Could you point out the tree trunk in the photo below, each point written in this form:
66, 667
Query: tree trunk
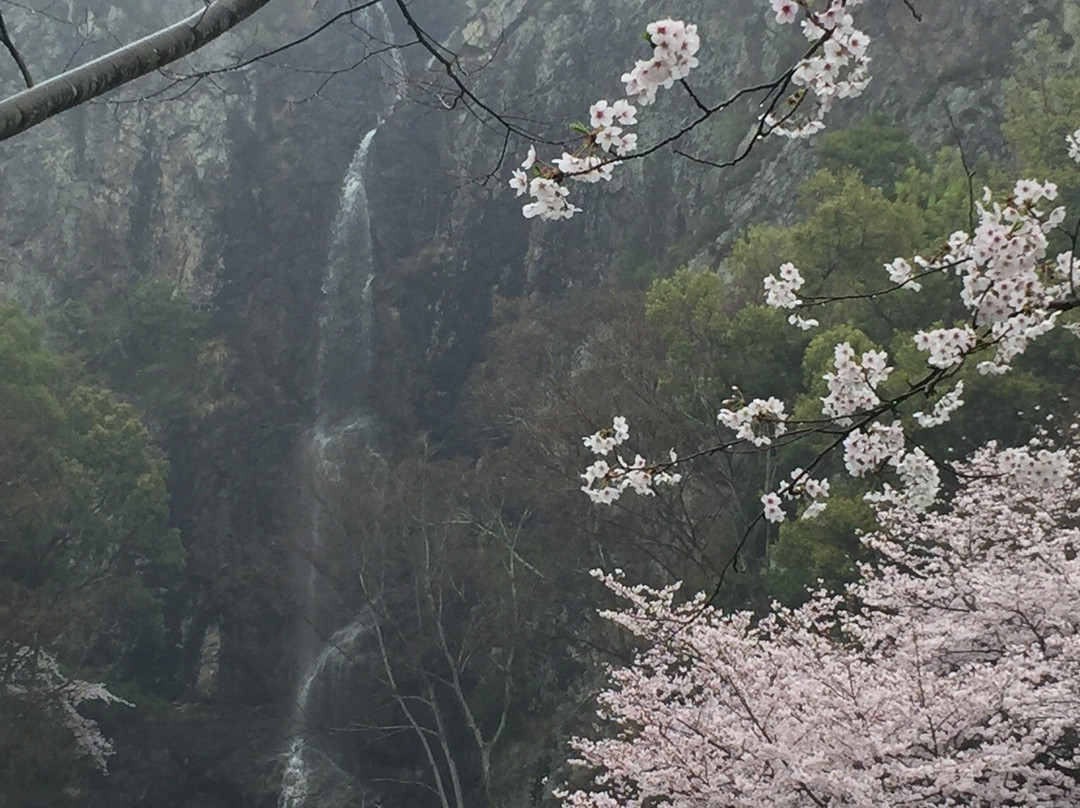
53, 96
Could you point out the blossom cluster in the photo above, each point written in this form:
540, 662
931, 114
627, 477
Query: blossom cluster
837, 66
946, 347
955, 664
853, 383
605, 482
882, 446
603, 117
1073, 142
920, 481
674, 56
943, 408
548, 194
1035, 469
1000, 270
801, 486
605, 440
866, 450
780, 292
751, 421
901, 273
675, 45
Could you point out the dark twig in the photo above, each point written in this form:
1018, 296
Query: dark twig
968, 171
438, 52
6, 39
914, 12
281, 48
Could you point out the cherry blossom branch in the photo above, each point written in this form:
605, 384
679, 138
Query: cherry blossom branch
833, 66
810, 301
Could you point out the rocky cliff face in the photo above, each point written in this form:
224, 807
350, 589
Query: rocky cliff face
230, 189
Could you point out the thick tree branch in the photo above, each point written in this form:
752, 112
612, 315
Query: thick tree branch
53, 96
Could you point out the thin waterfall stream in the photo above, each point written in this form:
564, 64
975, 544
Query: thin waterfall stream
343, 425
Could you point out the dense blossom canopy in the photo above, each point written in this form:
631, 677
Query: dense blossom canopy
949, 676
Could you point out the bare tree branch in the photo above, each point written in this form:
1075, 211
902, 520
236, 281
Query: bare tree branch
282, 48
55, 95
438, 52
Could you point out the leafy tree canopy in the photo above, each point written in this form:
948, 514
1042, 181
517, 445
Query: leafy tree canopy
85, 536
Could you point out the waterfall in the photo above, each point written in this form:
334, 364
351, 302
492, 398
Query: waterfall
343, 424
335, 656
394, 72
346, 352
343, 427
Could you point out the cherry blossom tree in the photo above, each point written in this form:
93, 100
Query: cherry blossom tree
34, 678
950, 675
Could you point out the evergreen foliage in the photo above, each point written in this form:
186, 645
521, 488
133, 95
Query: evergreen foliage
85, 538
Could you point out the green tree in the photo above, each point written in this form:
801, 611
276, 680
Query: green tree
846, 233
85, 539
1042, 106
149, 343
825, 549
881, 152
943, 193
708, 336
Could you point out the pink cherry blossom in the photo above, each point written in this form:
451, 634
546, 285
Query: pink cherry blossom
950, 675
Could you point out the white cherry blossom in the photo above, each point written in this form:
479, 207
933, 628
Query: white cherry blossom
1073, 142
780, 291
853, 383
943, 408
605, 482
900, 273
786, 10
759, 422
